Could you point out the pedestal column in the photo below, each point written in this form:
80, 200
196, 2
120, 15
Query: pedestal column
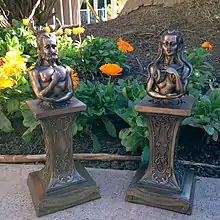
61, 183
164, 183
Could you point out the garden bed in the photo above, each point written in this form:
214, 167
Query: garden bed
192, 147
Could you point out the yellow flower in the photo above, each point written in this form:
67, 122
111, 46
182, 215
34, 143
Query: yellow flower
124, 46
78, 30
25, 22
6, 82
47, 30
75, 78
111, 69
68, 31
14, 64
59, 32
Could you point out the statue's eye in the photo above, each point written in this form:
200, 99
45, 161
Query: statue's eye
54, 46
47, 47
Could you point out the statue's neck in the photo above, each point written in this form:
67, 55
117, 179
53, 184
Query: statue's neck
169, 60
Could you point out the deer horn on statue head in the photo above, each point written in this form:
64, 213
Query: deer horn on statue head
33, 28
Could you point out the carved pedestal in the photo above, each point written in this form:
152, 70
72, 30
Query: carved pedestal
61, 183
163, 183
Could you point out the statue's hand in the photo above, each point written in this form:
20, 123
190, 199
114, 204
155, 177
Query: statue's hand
170, 70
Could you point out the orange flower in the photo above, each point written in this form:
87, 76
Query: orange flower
75, 78
124, 46
111, 69
8, 25
207, 45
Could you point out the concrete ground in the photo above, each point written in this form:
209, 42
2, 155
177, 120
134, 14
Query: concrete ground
16, 204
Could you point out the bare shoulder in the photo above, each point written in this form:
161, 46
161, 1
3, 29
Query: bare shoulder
68, 69
34, 72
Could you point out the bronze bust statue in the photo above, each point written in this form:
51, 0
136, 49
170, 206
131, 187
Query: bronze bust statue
168, 74
50, 80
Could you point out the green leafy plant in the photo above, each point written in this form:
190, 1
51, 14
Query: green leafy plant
136, 137
11, 102
206, 114
101, 101
18, 38
202, 71
88, 56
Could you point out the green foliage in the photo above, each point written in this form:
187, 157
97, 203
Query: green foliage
87, 57
136, 137
18, 38
101, 101
11, 100
206, 114
202, 71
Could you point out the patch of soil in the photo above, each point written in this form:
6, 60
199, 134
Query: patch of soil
195, 146
199, 21
192, 147
13, 144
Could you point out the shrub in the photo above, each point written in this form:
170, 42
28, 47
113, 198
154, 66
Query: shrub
206, 114
87, 57
202, 71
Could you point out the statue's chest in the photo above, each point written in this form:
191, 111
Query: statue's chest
47, 74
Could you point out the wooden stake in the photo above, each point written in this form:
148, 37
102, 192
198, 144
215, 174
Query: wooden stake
42, 158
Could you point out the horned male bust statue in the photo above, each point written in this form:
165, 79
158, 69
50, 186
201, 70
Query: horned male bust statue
50, 80
168, 74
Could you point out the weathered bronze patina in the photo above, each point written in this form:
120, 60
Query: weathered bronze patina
168, 74
61, 183
164, 183
50, 80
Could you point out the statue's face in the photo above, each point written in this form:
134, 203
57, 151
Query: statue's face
49, 51
169, 44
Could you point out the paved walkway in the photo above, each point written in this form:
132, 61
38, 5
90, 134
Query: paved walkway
16, 204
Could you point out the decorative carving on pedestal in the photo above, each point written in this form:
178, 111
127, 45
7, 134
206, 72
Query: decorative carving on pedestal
163, 130
160, 184
61, 183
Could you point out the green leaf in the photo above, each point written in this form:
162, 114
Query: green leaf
140, 121
209, 129
75, 128
217, 126
191, 121
95, 143
109, 126
5, 124
29, 119
27, 134
215, 136
145, 155
12, 105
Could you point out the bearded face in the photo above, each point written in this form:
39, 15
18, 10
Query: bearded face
48, 47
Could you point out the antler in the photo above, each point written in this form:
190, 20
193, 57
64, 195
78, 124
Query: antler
32, 26
59, 24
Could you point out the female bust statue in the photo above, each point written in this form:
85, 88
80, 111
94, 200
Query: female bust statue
168, 74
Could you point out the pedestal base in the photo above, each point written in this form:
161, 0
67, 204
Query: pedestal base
68, 196
181, 202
